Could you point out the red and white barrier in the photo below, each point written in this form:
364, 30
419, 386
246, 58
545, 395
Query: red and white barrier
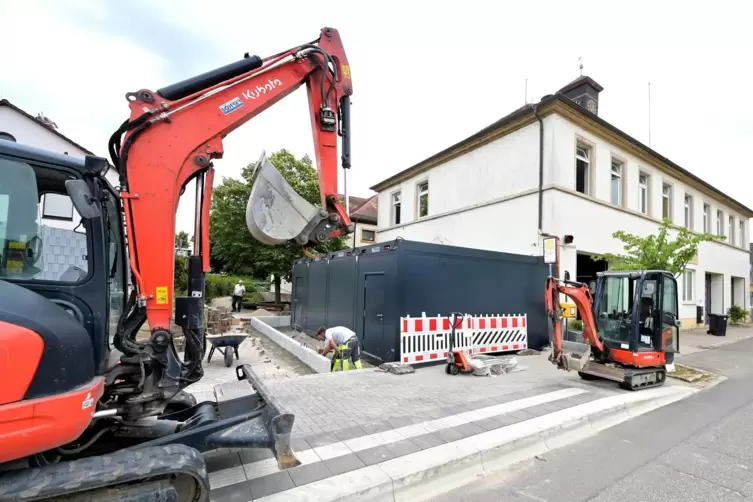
425, 339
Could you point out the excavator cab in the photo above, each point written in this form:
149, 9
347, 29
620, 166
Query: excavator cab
637, 312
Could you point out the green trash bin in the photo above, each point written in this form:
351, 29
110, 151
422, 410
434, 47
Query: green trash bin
717, 324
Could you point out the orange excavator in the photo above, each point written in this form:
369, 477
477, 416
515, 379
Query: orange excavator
630, 323
88, 410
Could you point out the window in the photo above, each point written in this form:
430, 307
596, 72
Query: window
617, 170
57, 207
116, 256
615, 307
367, 235
396, 205
688, 211
666, 201
688, 286
719, 228
33, 250
643, 180
7, 136
741, 234
731, 230
423, 199
582, 168
706, 216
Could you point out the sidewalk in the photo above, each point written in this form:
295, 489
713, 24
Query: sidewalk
378, 436
696, 340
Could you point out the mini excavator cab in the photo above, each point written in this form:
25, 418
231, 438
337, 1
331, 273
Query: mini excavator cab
638, 312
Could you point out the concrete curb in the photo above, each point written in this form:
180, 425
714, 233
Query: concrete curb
426, 474
315, 361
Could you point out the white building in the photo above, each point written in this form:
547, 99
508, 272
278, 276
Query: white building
63, 241
555, 167
363, 214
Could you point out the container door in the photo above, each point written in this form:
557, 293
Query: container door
372, 339
300, 290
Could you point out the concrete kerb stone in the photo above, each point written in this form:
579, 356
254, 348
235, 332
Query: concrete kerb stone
425, 474
316, 362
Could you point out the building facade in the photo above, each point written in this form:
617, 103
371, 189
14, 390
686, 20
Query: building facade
363, 214
557, 168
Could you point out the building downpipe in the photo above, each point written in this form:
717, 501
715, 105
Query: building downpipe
541, 164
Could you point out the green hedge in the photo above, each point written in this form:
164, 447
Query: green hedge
216, 285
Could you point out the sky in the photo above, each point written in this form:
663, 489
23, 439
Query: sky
425, 74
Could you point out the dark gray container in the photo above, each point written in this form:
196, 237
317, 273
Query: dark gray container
368, 289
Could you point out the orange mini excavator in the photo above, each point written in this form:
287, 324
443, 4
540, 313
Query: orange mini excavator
630, 324
88, 411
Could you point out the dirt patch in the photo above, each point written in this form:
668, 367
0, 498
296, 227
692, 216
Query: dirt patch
267, 352
690, 375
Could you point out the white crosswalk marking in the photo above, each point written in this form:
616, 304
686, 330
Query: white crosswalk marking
269, 466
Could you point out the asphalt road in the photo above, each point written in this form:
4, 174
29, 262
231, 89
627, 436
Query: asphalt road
698, 449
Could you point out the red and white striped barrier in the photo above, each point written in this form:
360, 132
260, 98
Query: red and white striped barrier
425, 339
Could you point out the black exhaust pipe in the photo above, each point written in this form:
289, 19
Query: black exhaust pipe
206, 80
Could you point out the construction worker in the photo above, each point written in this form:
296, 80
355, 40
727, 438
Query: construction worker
238, 291
344, 343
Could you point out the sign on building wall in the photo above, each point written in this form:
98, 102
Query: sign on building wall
550, 250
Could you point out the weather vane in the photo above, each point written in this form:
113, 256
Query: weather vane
580, 60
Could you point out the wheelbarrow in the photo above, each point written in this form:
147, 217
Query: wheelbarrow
227, 345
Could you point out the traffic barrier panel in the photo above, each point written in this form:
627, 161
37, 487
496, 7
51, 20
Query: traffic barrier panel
425, 339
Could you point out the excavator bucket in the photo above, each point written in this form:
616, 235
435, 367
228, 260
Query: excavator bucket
275, 213
576, 355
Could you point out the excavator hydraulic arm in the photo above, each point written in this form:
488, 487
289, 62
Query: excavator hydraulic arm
174, 133
580, 294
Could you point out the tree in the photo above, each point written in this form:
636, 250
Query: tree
658, 251
233, 245
182, 239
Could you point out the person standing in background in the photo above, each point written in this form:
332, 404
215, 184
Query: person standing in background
238, 291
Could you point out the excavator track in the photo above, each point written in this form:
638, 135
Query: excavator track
627, 378
173, 473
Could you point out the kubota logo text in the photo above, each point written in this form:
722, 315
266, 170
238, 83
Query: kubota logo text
260, 90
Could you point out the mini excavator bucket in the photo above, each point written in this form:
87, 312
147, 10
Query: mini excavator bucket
577, 356
275, 213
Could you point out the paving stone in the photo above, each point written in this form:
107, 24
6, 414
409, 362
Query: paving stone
322, 439
267, 485
376, 427
469, 429
404, 447
304, 474
375, 455
426, 441
403, 421
299, 444
249, 455
343, 464
449, 435
350, 433
488, 424
219, 462
240, 492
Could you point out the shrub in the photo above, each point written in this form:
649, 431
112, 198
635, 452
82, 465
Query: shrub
575, 324
737, 314
215, 286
